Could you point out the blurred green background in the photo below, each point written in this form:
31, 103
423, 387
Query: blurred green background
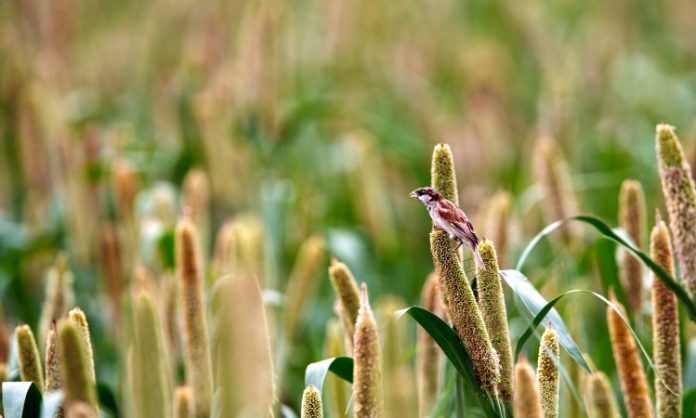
319, 117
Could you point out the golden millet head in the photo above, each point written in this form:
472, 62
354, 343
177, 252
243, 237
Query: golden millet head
548, 377
311, 403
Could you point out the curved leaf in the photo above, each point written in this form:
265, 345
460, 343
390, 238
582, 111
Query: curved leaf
448, 340
315, 373
21, 400
549, 306
51, 403
607, 231
539, 308
689, 403
107, 399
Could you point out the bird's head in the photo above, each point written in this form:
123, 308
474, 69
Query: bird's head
426, 195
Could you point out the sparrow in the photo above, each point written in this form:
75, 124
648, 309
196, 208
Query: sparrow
448, 217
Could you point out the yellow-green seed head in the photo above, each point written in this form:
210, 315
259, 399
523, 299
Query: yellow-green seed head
665, 324
443, 177
368, 398
30, 369
680, 200
3, 372
78, 317
336, 388
59, 295
193, 318
54, 380
311, 403
302, 281
601, 402
492, 305
239, 247
634, 384
78, 383
347, 294
397, 374
428, 355
548, 377
182, 403
496, 223
559, 201
632, 220
150, 384
244, 358
526, 402
464, 310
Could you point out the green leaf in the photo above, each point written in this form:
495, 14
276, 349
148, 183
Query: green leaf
21, 400
107, 399
608, 272
51, 403
540, 309
549, 307
448, 340
607, 231
689, 403
342, 367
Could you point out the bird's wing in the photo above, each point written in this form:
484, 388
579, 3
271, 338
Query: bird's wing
449, 212
452, 214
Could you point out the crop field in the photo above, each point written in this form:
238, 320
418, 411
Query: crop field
347, 208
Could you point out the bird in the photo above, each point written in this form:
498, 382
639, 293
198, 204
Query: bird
450, 218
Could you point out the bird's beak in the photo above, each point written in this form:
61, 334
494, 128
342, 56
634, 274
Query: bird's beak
413, 194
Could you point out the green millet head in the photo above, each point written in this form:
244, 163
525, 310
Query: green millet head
548, 377
492, 305
464, 311
78, 383
368, 389
347, 295
526, 402
601, 402
665, 324
632, 220
669, 150
150, 386
78, 317
302, 281
30, 369
634, 384
311, 403
443, 177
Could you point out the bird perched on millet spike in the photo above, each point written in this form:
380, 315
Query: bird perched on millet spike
448, 217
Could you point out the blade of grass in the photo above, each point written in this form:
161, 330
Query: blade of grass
535, 304
549, 307
607, 232
315, 373
21, 400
